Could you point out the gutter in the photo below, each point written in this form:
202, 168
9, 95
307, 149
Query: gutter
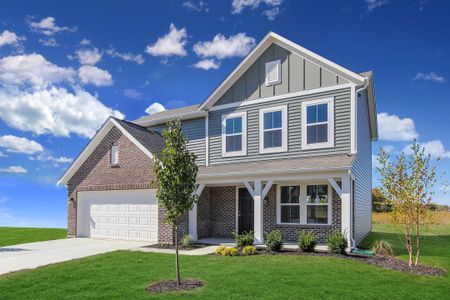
185, 116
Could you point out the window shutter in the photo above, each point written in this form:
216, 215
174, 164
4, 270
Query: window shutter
273, 72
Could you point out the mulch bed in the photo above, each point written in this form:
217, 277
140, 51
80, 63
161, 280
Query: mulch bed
170, 246
171, 286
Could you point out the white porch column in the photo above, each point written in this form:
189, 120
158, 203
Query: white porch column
193, 214
258, 213
346, 210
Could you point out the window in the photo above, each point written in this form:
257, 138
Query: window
318, 124
290, 204
234, 127
317, 204
114, 155
273, 72
273, 129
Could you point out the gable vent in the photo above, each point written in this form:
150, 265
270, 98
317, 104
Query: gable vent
273, 72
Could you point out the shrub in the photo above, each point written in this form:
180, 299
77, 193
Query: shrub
187, 241
220, 250
382, 248
232, 252
337, 243
306, 241
243, 239
273, 240
226, 251
249, 250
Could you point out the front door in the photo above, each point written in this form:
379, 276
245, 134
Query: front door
245, 213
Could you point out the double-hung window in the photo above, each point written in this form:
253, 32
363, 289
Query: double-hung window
318, 124
290, 204
273, 129
234, 134
317, 204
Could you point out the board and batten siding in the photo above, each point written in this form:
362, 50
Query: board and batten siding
297, 74
195, 132
294, 104
362, 169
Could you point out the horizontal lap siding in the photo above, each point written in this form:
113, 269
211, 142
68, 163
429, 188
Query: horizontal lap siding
342, 128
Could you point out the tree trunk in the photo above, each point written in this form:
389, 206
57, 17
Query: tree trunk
409, 247
417, 244
177, 262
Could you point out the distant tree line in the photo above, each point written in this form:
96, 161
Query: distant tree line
380, 203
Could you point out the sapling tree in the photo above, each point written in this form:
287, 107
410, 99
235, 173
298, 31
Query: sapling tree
408, 184
175, 177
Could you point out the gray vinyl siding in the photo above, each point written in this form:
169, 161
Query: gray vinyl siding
297, 74
342, 128
362, 169
195, 132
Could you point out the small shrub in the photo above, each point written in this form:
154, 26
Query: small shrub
337, 243
226, 251
273, 240
187, 241
249, 250
232, 252
382, 248
243, 239
306, 241
220, 250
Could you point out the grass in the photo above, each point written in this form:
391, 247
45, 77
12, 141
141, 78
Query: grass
18, 235
125, 275
438, 218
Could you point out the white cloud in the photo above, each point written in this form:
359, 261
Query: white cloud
50, 42
54, 110
3, 154
207, 64
47, 26
133, 94
155, 108
239, 5
197, 6
272, 13
10, 38
85, 42
429, 77
33, 69
137, 58
16, 144
393, 128
172, 44
56, 160
95, 76
222, 47
88, 56
435, 148
14, 169
373, 4
375, 162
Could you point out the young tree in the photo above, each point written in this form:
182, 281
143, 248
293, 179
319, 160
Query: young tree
408, 185
175, 177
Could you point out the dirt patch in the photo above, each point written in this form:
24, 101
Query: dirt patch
171, 286
170, 246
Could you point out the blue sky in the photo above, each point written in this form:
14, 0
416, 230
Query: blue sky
64, 67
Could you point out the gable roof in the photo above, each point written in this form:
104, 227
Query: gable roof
150, 142
182, 113
273, 38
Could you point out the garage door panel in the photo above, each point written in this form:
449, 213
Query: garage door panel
131, 214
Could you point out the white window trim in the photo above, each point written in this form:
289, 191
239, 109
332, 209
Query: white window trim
329, 204
278, 65
303, 204
243, 151
284, 129
330, 142
114, 155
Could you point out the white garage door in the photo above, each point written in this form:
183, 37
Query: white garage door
120, 214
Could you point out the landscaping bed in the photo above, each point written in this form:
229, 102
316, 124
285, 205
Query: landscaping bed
180, 247
171, 286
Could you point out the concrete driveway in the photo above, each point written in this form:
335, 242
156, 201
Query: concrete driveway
33, 255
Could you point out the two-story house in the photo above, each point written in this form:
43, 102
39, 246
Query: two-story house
284, 142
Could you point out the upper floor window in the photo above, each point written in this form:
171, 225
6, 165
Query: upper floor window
273, 129
114, 154
273, 72
234, 127
318, 124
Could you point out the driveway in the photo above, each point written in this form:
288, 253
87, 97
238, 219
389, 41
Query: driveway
33, 255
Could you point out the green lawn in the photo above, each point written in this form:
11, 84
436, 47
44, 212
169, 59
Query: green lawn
124, 275
17, 235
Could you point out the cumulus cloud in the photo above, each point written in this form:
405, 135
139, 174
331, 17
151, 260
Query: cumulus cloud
56, 160
3, 154
434, 148
85, 42
137, 58
10, 38
47, 26
393, 128
172, 44
16, 144
222, 47
154, 108
207, 64
237, 6
272, 13
50, 42
429, 77
373, 4
14, 169
197, 6
133, 94
95, 76
88, 56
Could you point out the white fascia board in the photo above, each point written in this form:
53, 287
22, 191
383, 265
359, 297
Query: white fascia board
185, 116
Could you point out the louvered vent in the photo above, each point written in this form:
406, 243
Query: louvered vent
273, 72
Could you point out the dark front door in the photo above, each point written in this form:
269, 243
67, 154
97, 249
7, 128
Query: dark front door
245, 213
